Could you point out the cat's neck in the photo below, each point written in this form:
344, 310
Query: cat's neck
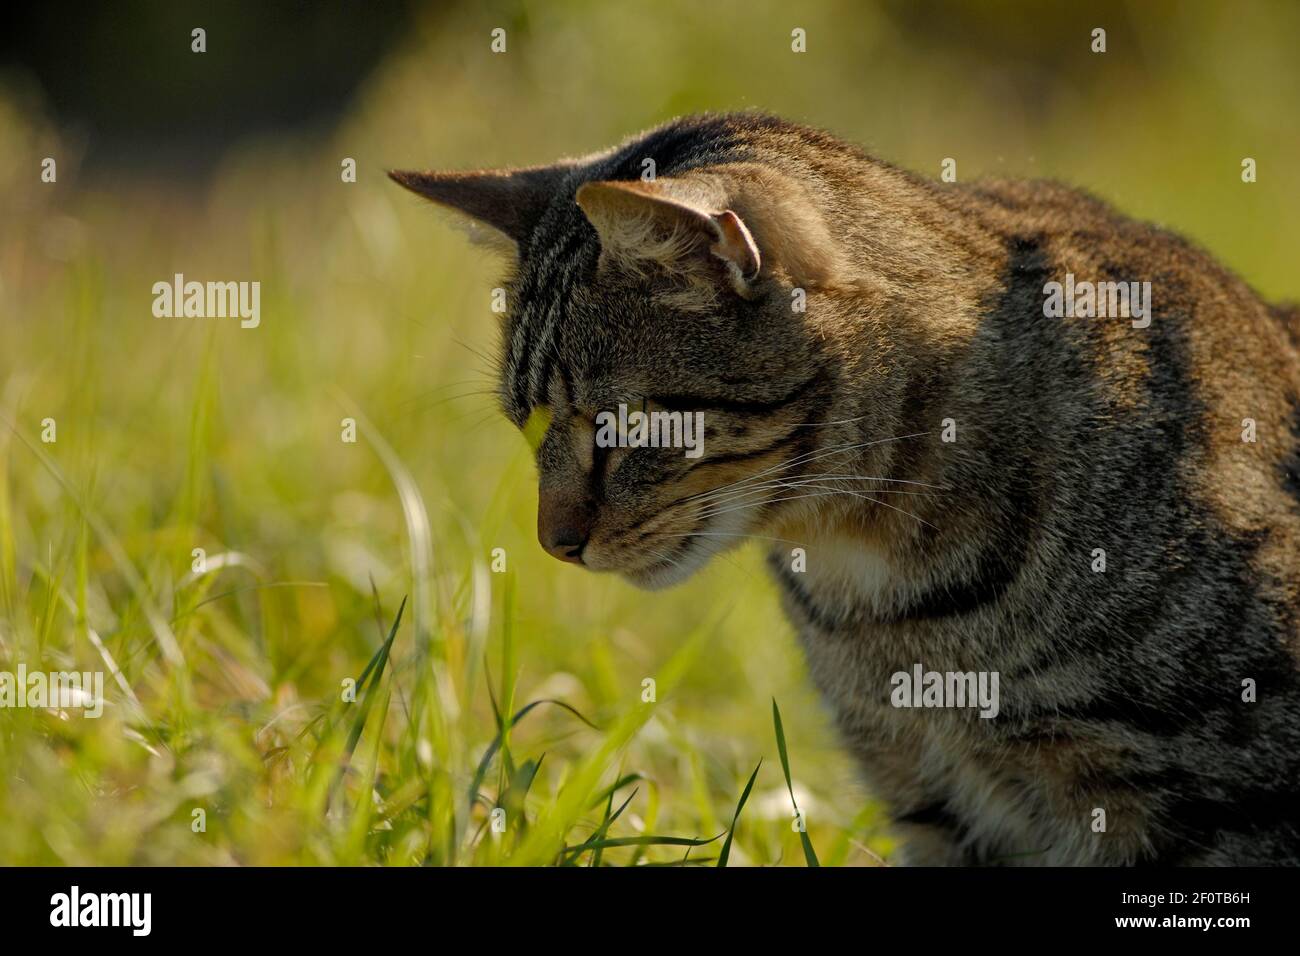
899, 333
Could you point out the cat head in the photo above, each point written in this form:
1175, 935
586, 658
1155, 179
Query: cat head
638, 310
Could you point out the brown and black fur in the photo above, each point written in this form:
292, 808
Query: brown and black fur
1121, 690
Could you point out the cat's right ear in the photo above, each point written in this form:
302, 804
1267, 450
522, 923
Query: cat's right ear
509, 201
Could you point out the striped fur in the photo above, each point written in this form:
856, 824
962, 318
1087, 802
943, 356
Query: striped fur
1121, 691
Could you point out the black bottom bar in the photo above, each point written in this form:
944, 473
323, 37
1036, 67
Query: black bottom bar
328, 906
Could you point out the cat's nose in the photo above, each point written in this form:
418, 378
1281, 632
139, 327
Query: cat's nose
563, 526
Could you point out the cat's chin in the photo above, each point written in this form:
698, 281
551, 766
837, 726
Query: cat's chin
664, 574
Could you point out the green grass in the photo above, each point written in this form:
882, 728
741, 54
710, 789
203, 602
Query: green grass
372, 562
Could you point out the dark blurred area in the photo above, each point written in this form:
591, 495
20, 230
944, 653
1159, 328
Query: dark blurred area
122, 80
123, 77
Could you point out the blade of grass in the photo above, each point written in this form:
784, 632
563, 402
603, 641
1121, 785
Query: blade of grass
731, 831
593, 842
649, 841
609, 818
616, 786
377, 668
808, 853
488, 754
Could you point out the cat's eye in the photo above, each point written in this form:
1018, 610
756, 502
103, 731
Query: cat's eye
611, 437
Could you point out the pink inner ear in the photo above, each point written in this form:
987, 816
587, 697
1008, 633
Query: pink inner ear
735, 244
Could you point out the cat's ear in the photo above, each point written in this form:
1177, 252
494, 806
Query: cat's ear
663, 223
510, 201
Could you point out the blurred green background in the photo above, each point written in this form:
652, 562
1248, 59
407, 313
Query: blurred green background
175, 434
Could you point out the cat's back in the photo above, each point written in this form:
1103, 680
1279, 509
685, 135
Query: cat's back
1208, 360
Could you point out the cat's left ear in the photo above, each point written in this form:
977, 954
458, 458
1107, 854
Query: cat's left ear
640, 222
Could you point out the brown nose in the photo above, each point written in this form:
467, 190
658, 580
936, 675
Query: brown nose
563, 525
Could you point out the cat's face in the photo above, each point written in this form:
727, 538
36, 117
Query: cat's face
638, 320
621, 345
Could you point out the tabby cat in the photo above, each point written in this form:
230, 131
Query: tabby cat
1102, 510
